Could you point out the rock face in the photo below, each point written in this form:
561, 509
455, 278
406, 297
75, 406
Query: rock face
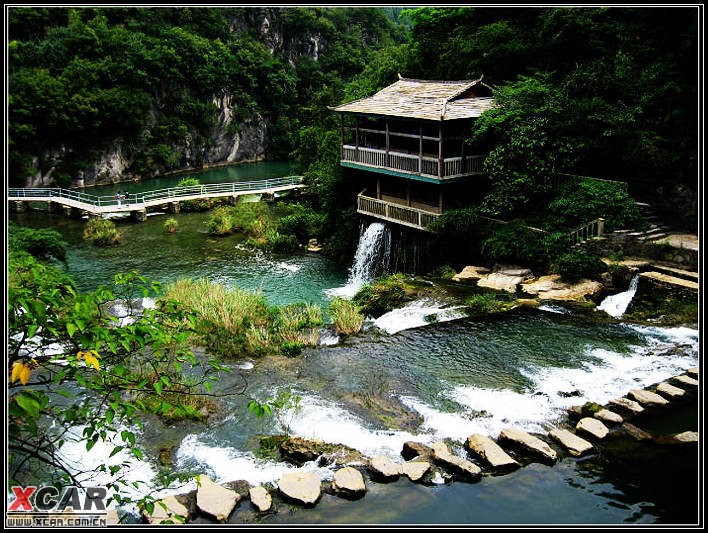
592, 427
261, 498
647, 398
215, 500
167, 509
348, 482
491, 452
442, 455
303, 487
575, 445
529, 443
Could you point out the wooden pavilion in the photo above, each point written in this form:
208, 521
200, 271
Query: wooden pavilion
406, 143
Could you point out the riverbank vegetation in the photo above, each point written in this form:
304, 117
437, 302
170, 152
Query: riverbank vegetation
102, 232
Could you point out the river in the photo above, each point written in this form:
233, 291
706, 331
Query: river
524, 368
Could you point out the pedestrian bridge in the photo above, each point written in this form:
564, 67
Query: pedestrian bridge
138, 203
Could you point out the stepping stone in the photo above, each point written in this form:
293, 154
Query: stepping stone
415, 470
413, 449
169, 513
491, 452
215, 500
607, 416
304, 487
627, 405
442, 455
261, 498
348, 482
685, 380
693, 372
529, 443
647, 398
690, 437
575, 445
592, 427
636, 433
670, 390
383, 467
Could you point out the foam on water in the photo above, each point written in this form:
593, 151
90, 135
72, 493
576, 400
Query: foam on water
418, 313
617, 304
288, 266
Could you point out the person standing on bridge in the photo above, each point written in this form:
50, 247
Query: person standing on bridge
118, 197
127, 195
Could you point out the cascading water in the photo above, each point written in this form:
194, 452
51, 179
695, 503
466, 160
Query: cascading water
372, 255
617, 304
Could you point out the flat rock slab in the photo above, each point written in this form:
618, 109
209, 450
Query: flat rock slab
442, 455
592, 427
415, 470
686, 380
665, 279
383, 466
261, 498
647, 398
575, 445
670, 391
491, 452
552, 287
471, 273
215, 500
607, 416
635, 432
171, 510
627, 405
693, 372
531, 444
412, 449
348, 481
304, 487
500, 282
687, 437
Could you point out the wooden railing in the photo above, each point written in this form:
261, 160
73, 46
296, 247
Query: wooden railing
453, 167
400, 214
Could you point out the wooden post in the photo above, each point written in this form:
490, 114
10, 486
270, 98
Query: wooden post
600, 227
341, 136
408, 193
441, 163
420, 148
356, 140
378, 188
386, 163
440, 200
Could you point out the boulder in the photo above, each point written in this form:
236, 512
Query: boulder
687, 437
215, 500
415, 470
552, 287
500, 282
647, 398
303, 487
592, 427
261, 498
529, 443
442, 455
470, 273
669, 390
167, 510
491, 452
626, 405
513, 270
348, 482
383, 467
415, 449
575, 445
607, 416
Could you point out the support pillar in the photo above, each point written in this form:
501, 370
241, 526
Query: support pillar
173, 207
17, 207
139, 215
234, 199
440, 201
378, 188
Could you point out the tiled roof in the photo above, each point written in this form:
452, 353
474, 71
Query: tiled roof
423, 99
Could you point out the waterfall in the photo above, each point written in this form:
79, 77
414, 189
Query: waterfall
372, 255
616, 304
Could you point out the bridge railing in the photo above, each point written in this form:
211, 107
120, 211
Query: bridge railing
168, 194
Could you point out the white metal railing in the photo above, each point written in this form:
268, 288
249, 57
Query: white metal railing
594, 228
408, 216
428, 166
152, 197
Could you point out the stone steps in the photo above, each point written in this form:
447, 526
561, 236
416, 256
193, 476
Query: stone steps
669, 281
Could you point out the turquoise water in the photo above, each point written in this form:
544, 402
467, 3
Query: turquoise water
524, 368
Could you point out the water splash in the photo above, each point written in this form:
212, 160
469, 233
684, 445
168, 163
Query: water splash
373, 251
617, 304
418, 313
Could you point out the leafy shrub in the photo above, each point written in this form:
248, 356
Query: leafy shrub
170, 225
445, 272
202, 204
486, 302
42, 243
102, 232
382, 296
304, 223
221, 221
578, 264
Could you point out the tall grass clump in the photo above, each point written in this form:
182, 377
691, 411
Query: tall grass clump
102, 232
346, 316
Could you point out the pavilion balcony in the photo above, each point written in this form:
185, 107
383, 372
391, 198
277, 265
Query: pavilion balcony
393, 211
414, 166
